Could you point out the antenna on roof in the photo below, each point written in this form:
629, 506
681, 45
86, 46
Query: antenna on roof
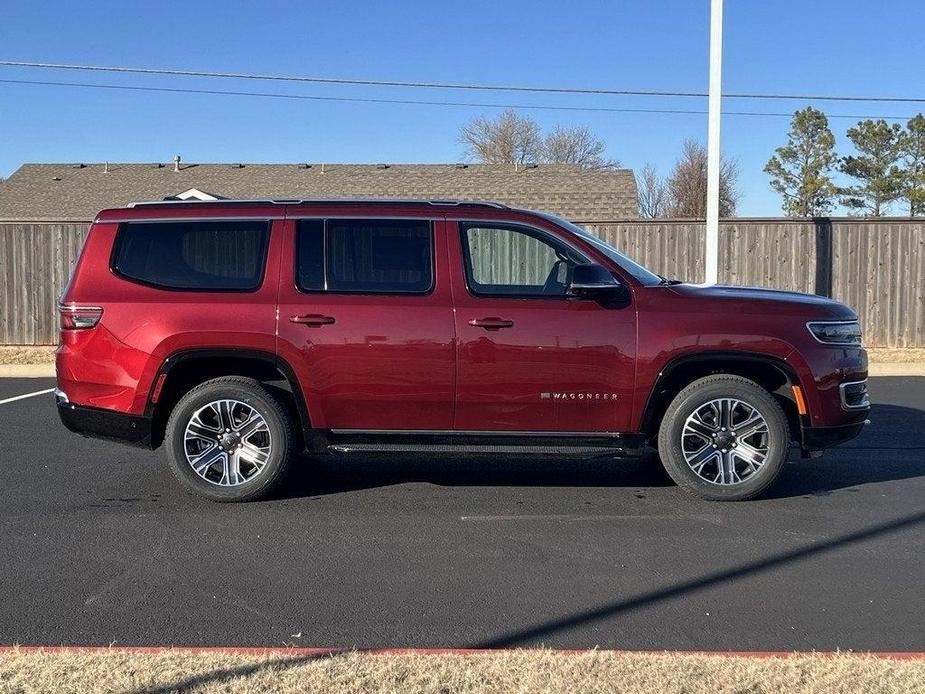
106, 167
176, 163
322, 168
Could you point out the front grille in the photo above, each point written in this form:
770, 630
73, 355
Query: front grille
854, 395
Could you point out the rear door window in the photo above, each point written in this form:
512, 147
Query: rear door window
192, 255
366, 256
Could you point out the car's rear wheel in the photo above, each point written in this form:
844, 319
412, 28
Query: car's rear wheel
724, 438
229, 439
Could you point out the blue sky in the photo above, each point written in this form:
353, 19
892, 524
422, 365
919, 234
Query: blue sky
830, 46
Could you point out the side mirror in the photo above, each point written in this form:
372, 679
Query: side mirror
593, 281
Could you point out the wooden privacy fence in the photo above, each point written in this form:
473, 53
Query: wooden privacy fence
875, 266
35, 263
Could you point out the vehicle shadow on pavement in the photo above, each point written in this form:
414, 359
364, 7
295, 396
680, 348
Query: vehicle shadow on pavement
335, 474
890, 449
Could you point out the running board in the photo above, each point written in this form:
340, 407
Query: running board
473, 442
462, 448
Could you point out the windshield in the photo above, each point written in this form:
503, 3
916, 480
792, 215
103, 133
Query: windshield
645, 277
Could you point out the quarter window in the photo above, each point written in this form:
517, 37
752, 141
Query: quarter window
368, 256
193, 256
516, 261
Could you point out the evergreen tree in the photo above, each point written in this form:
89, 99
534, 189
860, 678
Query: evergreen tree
913, 151
800, 169
876, 167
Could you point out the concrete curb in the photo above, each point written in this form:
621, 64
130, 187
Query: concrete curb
914, 369
27, 370
330, 652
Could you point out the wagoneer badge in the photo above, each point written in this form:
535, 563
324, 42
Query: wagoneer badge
578, 396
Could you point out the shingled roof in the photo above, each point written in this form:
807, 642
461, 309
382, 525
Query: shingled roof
44, 192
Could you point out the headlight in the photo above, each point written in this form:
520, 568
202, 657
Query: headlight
836, 333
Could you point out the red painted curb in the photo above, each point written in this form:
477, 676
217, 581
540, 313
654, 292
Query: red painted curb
322, 652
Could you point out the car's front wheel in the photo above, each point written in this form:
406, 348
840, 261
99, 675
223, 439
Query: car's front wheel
229, 439
724, 438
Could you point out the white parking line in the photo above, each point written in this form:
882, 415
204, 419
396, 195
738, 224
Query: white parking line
27, 395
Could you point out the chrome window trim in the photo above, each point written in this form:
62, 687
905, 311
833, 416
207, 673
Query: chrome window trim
835, 322
865, 403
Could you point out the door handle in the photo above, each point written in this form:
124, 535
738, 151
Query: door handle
313, 320
492, 323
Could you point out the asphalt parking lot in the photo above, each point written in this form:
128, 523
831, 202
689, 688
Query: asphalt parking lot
99, 545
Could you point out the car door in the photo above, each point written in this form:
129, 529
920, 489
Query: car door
366, 322
530, 359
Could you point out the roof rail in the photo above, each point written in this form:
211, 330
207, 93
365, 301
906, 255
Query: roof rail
304, 201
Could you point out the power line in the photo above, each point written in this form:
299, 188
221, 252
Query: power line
416, 102
444, 85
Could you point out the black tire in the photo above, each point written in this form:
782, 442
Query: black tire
698, 395
277, 436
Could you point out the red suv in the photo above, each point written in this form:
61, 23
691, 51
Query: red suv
241, 333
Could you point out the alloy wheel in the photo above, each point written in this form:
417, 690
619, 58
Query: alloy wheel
725, 441
227, 442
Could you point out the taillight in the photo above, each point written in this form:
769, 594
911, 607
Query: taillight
79, 317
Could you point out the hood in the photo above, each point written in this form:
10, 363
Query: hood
776, 300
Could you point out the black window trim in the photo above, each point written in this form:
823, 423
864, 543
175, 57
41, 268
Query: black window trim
536, 232
187, 220
360, 292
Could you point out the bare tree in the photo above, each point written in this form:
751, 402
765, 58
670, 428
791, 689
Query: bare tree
652, 193
576, 145
687, 184
514, 139
511, 139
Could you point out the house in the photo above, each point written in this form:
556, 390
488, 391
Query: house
76, 192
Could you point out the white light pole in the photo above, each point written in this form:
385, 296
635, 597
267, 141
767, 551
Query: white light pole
713, 157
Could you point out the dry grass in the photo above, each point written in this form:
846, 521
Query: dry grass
46, 355
896, 355
512, 671
27, 355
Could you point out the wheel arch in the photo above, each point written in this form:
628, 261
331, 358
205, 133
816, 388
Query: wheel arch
770, 372
185, 369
